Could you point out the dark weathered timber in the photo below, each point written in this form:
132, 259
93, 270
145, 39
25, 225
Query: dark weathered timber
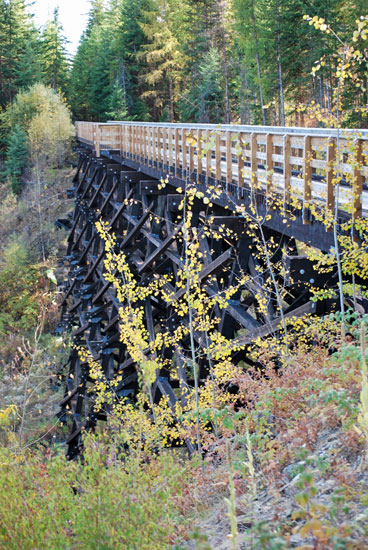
146, 219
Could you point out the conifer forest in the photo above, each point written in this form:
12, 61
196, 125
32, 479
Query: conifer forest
184, 276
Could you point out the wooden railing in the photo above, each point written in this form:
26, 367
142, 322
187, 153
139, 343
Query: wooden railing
300, 159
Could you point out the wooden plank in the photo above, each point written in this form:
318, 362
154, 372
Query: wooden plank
269, 162
159, 145
191, 155
240, 162
229, 158
287, 169
218, 155
357, 181
184, 151
253, 160
307, 189
199, 153
170, 145
177, 151
164, 146
330, 199
208, 160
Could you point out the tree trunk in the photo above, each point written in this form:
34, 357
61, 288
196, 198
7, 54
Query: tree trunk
245, 117
258, 63
171, 101
281, 85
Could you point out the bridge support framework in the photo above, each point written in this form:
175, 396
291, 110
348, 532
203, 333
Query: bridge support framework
144, 217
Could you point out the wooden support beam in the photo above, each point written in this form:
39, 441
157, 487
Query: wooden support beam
184, 151
218, 155
229, 158
307, 191
159, 250
81, 183
199, 154
287, 170
241, 162
98, 191
269, 162
254, 160
137, 227
330, 175
357, 180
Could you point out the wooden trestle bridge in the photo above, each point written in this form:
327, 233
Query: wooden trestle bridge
118, 180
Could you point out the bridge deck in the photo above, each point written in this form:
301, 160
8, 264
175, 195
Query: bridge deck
302, 161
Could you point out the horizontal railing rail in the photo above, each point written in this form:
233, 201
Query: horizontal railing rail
307, 161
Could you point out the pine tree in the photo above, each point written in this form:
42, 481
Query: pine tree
55, 66
165, 60
19, 49
16, 158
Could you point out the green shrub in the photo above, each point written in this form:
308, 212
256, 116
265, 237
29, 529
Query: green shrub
108, 502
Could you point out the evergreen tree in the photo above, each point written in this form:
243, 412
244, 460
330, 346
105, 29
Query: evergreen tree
16, 158
54, 60
19, 49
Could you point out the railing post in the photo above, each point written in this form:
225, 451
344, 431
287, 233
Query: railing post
357, 181
241, 162
229, 159
154, 144
199, 154
287, 170
218, 155
253, 160
208, 162
330, 198
96, 135
269, 162
191, 155
177, 151
164, 150
307, 192
170, 139
184, 152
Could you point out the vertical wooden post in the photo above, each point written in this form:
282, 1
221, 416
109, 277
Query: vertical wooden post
140, 128
287, 170
330, 198
177, 151
208, 161
307, 194
96, 136
150, 144
218, 155
199, 154
357, 181
254, 160
145, 144
154, 144
229, 159
241, 162
164, 149
269, 162
121, 139
160, 147
191, 155
170, 144
184, 152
